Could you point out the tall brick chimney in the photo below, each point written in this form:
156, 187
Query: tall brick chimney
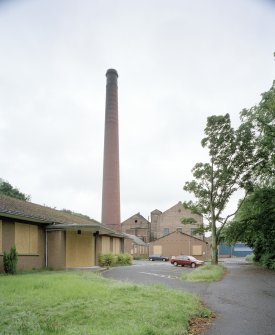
110, 214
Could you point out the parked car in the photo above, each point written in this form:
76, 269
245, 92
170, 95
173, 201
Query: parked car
186, 260
158, 258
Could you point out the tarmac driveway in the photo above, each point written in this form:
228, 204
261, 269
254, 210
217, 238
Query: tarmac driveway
244, 301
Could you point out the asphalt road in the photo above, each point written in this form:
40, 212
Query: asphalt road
244, 301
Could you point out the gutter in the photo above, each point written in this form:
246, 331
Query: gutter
26, 218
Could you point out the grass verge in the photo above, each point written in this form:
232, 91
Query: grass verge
85, 303
205, 273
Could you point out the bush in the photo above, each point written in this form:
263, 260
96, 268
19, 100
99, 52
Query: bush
250, 258
111, 260
124, 259
10, 260
268, 261
107, 260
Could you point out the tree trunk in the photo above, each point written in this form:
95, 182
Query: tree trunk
214, 247
214, 258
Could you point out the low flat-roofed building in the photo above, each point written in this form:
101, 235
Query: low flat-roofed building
46, 237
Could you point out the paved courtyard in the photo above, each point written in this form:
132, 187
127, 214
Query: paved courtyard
244, 301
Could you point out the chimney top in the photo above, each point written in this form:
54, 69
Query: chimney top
111, 71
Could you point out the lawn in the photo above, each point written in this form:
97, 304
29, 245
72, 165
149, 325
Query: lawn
205, 273
85, 303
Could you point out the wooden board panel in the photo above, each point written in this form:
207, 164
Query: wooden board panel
1, 246
80, 249
197, 250
22, 238
116, 246
105, 245
157, 249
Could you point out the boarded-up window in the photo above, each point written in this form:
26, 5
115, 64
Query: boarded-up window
106, 248
79, 249
26, 238
116, 246
0, 236
157, 249
197, 250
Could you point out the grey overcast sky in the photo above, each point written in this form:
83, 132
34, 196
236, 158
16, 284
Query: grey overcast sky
178, 62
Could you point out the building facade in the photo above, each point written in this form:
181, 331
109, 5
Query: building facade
137, 225
164, 223
178, 243
235, 250
45, 237
136, 247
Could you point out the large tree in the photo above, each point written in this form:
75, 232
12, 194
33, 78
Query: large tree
228, 169
7, 189
254, 224
261, 120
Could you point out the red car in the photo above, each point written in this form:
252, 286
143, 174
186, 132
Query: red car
186, 260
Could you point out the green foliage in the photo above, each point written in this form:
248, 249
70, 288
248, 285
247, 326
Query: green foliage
254, 224
228, 169
7, 189
81, 302
261, 119
205, 273
250, 258
107, 260
10, 260
124, 259
268, 260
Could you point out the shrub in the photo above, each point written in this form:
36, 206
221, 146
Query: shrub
111, 260
124, 259
10, 260
250, 258
268, 260
107, 260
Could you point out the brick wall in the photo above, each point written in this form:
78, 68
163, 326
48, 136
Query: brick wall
170, 221
136, 225
178, 243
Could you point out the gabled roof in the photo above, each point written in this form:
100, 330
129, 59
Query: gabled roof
178, 204
136, 239
134, 216
179, 232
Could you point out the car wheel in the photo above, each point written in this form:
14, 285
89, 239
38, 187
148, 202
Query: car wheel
150, 259
175, 263
164, 260
193, 265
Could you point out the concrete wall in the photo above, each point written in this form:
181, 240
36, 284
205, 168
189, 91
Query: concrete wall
179, 244
56, 249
